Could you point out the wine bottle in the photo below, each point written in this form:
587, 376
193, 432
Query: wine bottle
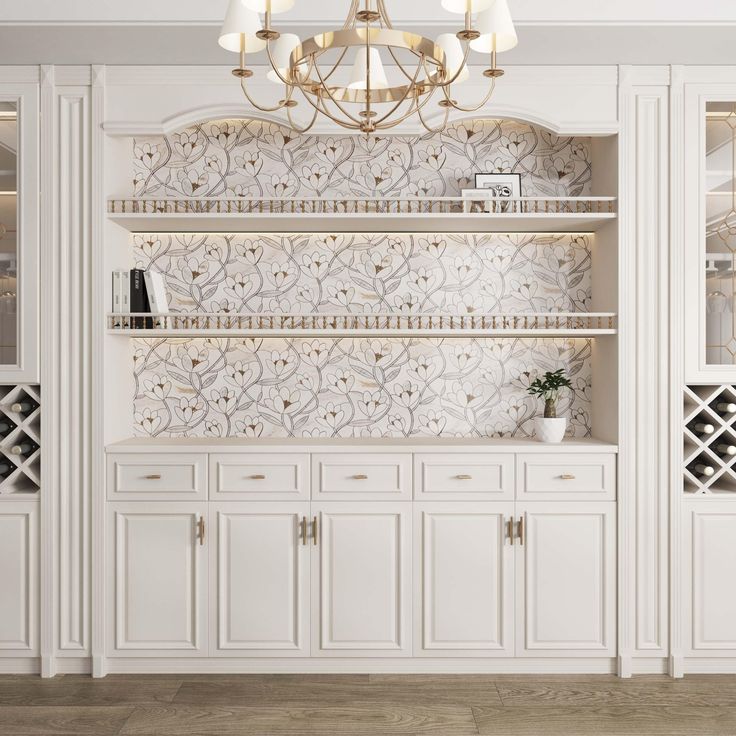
702, 427
6, 427
23, 449
726, 449
726, 407
5, 468
704, 471
23, 407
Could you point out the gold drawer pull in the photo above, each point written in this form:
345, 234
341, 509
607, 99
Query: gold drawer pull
510, 529
315, 532
257, 476
567, 476
360, 476
464, 476
303, 530
153, 476
520, 529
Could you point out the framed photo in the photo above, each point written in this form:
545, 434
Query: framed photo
507, 186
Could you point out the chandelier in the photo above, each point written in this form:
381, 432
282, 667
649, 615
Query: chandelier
340, 74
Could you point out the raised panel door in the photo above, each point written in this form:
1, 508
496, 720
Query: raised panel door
361, 579
565, 579
260, 573
463, 579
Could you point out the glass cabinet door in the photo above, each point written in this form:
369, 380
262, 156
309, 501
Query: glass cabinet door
720, 233
19, 234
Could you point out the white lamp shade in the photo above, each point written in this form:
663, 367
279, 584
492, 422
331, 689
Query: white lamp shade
453, 49
240, 21
281, 50
275, 6
495, 25
466, 6
360, 71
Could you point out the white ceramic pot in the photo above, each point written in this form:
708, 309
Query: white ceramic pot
550, 430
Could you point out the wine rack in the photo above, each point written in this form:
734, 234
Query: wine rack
709, 439
20, 440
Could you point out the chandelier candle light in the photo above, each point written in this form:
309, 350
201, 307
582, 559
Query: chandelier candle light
369, 99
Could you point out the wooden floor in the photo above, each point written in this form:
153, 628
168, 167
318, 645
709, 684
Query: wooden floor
379, 705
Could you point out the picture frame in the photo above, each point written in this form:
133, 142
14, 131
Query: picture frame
503, 186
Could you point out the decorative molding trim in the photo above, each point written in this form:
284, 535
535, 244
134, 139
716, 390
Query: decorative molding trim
73, 435
198, 115
49, 344
94, 463
73, 76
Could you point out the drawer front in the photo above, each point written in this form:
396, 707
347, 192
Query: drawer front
463, 476
573, 477
361, 476
259, 477
159, 477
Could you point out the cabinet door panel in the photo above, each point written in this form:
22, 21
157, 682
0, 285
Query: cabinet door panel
566, 579
463, 580
361, 476
361, 579
160, 587
18, 578
261, 565
259, 476
464, 476
710, 534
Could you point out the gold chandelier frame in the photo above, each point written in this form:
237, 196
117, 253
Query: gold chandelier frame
429, 76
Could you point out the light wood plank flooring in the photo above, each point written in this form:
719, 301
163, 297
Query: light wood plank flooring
363, 705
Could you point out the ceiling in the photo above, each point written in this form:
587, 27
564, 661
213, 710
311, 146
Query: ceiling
185, 31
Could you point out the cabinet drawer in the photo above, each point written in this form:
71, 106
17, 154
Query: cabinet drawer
160, 477
362, 476
259, 477
573, 477
463, 476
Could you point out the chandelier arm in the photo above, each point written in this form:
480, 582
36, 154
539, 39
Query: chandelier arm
296, 127
280, 106
404, 97
398, 63
460, 68
475, 108
336, 64
320, 107
333, 100
352, 12
273, 65
439, 128
415, 107
384, 14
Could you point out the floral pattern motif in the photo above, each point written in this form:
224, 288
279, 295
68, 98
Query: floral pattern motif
252, 158
298, 274
352, 387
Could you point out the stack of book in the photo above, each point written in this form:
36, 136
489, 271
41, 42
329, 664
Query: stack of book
139, 292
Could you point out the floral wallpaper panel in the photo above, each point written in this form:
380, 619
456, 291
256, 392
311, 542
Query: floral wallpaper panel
252, 158
352, 387
359, 273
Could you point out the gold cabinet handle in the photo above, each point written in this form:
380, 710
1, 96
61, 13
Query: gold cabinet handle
303, 531
360, 476
510, 529
464, 476
257, 476
153, 476
315, 534
567, 476
520, 530
200, 530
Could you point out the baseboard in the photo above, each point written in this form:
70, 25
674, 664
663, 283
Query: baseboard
205, 665
709, 665
20, 665
649, 665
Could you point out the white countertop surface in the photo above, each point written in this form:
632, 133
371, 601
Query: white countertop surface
408, 444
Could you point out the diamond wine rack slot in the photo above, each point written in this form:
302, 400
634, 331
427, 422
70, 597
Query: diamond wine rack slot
709, 436
20, 440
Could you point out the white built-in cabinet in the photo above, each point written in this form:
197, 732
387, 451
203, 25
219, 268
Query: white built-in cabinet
478, 572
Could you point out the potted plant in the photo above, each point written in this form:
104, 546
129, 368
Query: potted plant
550, 427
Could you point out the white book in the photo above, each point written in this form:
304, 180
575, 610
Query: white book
117, 291
156, 289
125, 292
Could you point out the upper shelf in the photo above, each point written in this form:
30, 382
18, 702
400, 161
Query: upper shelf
182, 324
416, 215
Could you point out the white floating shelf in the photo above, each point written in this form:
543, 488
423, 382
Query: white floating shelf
417, 215
553, 324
